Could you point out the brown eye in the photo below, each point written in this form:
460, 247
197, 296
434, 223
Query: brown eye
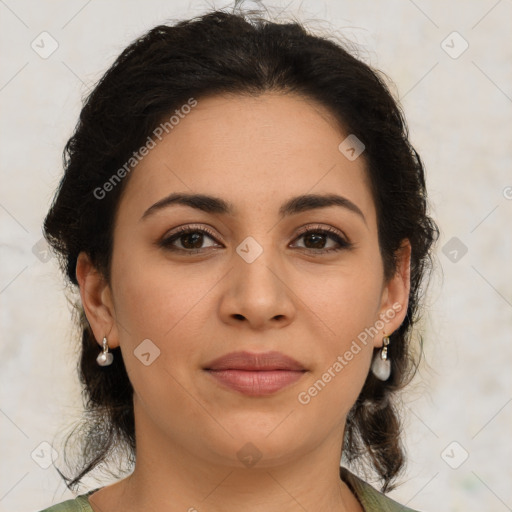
315, 240
191, 240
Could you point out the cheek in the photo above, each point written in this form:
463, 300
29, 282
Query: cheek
153, 304
152, 294
346, 306
346, 300
163, 303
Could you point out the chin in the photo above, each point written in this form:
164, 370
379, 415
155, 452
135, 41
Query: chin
260, 440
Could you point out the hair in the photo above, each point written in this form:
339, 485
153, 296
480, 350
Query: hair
237, 53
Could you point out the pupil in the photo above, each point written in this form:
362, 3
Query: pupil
317, 239
194, 240
194, 243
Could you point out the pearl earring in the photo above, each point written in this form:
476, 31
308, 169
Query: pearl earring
105, 358
381, 366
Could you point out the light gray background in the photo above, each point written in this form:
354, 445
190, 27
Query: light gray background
459, 112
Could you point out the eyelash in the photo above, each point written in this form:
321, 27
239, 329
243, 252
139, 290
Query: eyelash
166, 243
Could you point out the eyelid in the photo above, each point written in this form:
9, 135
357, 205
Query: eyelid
344, 243
190, 227
302, 230
321, 227
166, 241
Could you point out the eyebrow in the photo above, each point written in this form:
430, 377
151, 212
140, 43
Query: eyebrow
216, 205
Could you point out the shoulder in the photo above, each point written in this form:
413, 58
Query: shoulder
371, 499
78, 504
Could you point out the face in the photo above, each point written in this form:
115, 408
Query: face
248, 275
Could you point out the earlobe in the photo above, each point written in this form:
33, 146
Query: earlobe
96, 300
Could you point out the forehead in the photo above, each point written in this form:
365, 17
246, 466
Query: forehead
252, 151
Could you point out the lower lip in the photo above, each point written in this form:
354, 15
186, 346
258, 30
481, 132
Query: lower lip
256, 383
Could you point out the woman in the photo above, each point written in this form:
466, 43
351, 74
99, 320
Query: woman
246, 222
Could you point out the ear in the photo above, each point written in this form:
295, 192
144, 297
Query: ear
97, 301
395, 294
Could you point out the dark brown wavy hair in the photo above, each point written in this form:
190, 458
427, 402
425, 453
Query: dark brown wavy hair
238, 53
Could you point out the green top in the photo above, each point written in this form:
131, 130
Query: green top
370, 499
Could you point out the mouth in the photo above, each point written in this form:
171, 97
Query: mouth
255, 374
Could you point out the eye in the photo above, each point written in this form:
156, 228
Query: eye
316, 237
190, 238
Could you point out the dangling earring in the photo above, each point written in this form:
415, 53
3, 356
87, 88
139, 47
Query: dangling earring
105, 358
381, 366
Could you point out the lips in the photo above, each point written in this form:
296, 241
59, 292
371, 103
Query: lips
255, 374
254, 362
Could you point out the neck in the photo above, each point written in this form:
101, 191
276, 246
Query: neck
170, 477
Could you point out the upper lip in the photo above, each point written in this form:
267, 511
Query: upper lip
264, 361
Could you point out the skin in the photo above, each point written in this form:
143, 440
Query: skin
256, 152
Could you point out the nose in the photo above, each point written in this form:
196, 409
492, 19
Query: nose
258, 292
